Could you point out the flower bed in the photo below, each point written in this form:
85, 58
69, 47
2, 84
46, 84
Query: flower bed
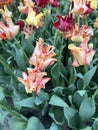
49, 64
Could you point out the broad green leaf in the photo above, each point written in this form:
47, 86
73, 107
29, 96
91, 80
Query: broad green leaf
53, 127
16, 124
57, 101
44, 96
34, 124
87, 109
72, 118
57, 115
29, 102
20, 59
38, 100
88, 76
78, 97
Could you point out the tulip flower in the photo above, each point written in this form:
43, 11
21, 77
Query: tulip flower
82, 7
33, 19
5, 12
65, 25
42, 56
83, 54
8, 31
79, 33
34, 81
23, 7
43, 3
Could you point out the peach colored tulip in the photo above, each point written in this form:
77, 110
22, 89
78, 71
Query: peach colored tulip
79, 33
83, 54
34, 81
42, 56
23, 7
5, 12
8, 31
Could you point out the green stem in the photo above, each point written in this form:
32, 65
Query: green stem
61, 49
3, 62
95, 93
13, 112
55, 38
78, 19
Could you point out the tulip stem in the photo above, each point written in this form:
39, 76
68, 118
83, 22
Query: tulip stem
95, 93
55, 38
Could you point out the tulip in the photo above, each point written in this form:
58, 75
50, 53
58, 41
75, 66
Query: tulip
42, 56
33, 19
83, 54
8, 31
43, 3
34, 81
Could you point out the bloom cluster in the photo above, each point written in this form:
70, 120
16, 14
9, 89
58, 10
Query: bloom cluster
72, 30
41, 58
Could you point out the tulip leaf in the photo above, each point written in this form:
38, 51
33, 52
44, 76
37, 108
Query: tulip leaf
34, 124
16, 124
87, 109
28, 102
57, 101
88, 76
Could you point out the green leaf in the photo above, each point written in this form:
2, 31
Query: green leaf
20, 59
57, 115
29, 102
95, 124
53, 127
16, 124
88, 76
78, 97
73, 76
57, 101
72, 118
55, 72
87, 109
34, 124
44, 96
